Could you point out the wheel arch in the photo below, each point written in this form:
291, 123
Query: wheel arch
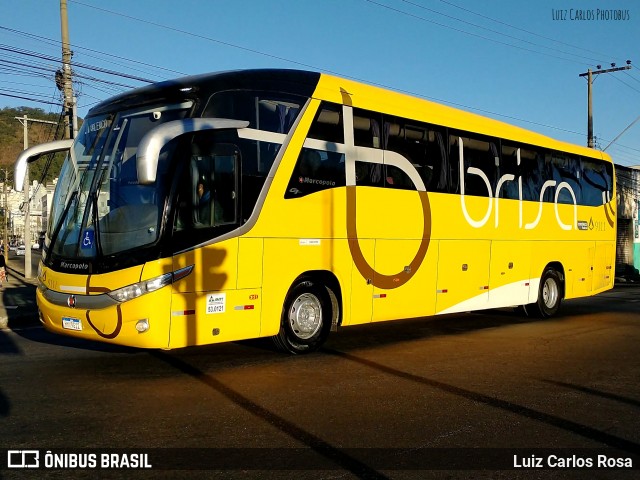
558, 267
329, 280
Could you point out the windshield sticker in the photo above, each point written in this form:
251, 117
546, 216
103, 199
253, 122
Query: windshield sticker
87, 240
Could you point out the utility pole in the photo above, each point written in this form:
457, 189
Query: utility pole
6, 214
24, 120
589, 74
63, 77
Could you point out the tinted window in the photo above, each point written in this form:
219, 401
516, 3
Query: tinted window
478, 152
316, 170
274, 112
369, 174
423, 145
327, 124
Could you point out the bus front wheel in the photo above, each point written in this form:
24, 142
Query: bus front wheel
306, 318
549, 295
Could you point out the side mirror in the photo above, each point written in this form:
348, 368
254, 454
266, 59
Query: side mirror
31, 154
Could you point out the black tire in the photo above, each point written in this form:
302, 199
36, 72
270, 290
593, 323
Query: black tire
306, 318
549, 295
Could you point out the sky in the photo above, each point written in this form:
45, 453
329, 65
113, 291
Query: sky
514, 60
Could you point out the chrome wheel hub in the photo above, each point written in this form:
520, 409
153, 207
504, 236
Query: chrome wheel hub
305, 316
550, 293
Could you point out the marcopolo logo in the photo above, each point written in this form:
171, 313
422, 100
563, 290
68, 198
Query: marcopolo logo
23, 459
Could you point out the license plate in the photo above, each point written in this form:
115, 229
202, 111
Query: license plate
71, 323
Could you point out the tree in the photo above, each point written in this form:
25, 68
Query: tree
12, 141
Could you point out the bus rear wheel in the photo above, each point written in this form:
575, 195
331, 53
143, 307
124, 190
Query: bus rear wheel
549, 295
306, 318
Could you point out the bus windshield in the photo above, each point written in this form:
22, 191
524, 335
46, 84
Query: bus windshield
98, 203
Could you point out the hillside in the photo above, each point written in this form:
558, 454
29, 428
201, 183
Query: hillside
11, 140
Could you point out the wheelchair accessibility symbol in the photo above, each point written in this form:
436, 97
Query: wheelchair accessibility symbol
87, 240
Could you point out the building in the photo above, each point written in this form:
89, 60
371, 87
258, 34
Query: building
628, 237
12, 202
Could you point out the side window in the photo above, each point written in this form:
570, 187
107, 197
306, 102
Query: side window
397, 178
480, 153
509, 166
567, 168
207, 194
423, 145
367, 131
316, 170
531, 170
369, 174
270, 111
597, 180
328, 124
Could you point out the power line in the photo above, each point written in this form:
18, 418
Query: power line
476, 35
78, 48
28, 98
228, 44
489, 29
528, 32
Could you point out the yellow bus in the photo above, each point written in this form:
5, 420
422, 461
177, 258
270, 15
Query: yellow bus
286, 204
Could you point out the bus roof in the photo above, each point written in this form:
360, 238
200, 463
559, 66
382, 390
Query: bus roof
298, 82
394, 103
334, 89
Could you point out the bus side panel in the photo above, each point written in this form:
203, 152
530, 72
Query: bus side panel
285, 259
361, 298
603, 266
199, 318
578, 268
417, 297
206, 307
250, 262
510, 273
463, 275
215, 268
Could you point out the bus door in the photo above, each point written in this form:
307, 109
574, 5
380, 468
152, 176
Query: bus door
220, 300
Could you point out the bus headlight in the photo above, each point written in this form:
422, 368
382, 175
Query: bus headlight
130, 292
137, 289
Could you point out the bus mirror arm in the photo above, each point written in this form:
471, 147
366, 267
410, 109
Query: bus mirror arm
32, 154
155, 139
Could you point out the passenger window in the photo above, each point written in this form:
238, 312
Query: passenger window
328, 124
366, 128
397, 178
479, 152
369, 174
316, 170
423, 145
597, 180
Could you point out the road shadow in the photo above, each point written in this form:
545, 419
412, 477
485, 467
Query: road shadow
40, 335
521, 410
592, 391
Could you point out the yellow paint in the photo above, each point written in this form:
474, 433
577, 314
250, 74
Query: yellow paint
497, 264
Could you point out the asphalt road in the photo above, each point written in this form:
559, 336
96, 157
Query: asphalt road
17, 261
450, 397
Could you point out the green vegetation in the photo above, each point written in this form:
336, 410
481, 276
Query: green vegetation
12, 141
